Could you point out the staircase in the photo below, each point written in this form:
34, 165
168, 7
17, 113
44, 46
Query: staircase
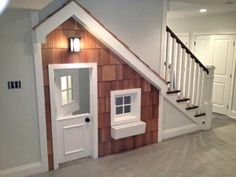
189, 83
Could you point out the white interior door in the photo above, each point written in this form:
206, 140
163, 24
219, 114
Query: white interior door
184, 37
203, 49
218, 50
71, 98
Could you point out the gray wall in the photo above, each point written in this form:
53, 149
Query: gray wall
19, 137
136, 22
219, 23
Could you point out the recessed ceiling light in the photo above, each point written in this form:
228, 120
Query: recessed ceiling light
203, 10
3, 5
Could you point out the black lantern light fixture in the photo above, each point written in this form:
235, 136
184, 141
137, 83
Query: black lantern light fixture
75, 44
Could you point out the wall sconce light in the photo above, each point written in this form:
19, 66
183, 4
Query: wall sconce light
75, 44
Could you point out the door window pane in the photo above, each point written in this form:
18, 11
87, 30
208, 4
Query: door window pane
63, 83
119, 110
64, 97
70, 98
69, 79
127, 100
127, 109
119, 101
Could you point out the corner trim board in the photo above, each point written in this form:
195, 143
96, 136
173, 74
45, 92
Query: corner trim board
24, 170
233, 114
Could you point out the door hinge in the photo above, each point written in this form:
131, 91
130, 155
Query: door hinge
234, 43
195, 43
227, 106
230, 76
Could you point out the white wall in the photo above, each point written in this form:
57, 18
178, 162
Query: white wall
175, 123
136, 22
208, 23
19, 138
218, 23
173, 118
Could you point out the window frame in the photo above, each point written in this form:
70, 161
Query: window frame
123, 105
135, 106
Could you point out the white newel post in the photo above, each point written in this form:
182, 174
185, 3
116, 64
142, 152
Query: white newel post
207, 96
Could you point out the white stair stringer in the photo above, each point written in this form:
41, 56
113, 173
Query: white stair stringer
190, 114
194, 124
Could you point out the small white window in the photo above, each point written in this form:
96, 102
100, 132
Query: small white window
125, 106
66, 90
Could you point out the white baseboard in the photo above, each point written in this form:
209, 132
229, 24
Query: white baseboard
25, 170
170, 133
233, 114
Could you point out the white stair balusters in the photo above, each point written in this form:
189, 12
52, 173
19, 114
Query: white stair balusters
187, 74
191, 81
178, 63
167, 56
186, 95
197, 87
183, 58
172, 67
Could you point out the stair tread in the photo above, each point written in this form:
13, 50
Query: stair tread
200, 115
192, 107
173, 91
183, 100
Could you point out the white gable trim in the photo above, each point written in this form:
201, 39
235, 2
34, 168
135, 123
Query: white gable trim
72, 9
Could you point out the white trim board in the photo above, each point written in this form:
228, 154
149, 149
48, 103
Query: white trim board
233, 114
24, 170
93, 105
163, 38
174, 132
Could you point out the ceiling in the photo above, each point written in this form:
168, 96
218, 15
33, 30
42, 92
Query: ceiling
177, 8
187, 8
29, 4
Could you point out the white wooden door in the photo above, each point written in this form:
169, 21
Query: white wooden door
184, 37
203, 45
218, 50
222, 59
73, 117
73, 138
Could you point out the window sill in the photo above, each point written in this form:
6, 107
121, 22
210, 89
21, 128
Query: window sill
125, 119
128, 129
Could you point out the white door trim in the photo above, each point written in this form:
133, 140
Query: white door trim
41, 113
93, 105
163, 38
229, 112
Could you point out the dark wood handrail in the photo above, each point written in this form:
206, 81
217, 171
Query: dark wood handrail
186, 48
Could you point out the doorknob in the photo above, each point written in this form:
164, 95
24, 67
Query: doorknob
87, 120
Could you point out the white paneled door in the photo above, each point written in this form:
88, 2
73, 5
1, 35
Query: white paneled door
73, 93
218, 50
184, 37
73, 138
